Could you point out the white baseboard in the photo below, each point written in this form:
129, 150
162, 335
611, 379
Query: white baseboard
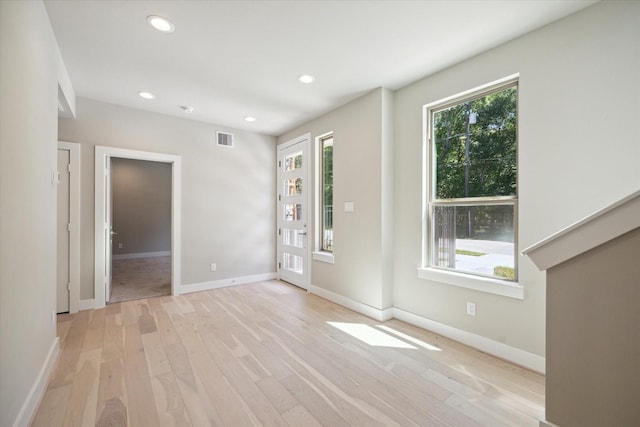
367, 310
234, 281
28, 410
544, 423
514, 355
142, 255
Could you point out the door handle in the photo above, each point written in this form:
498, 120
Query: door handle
304, 233
113, 233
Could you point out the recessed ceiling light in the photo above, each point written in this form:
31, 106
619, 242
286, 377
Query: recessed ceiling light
146, 95
187, 109
160, 23
250, 119
306, 79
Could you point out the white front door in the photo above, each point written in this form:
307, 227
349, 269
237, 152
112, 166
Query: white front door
294, 190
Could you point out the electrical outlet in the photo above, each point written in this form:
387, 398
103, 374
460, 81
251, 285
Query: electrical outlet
119, 245
213, 266
471, 308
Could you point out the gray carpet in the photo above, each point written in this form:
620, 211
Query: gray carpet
139, 278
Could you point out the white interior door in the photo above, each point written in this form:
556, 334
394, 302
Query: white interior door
63, 252
108, 230
294, 190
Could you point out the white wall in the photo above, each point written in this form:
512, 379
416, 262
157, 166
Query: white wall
28, 152
361, 128
141, 203
228, 205
579, 151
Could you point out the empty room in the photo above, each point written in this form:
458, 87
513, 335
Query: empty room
319, 213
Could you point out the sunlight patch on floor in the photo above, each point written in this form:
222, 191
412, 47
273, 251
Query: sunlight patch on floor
410, 339
370, 335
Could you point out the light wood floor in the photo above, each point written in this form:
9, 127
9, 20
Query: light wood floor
266, 354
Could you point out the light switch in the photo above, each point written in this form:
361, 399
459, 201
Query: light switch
348, 206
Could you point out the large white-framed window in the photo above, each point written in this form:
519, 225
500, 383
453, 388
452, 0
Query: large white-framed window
471, 190
324, 198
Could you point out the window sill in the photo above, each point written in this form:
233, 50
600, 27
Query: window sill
323, 257
477, 283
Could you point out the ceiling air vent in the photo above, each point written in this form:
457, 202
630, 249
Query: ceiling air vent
224, 138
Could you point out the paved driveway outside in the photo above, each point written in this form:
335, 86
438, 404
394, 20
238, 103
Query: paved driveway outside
497, 254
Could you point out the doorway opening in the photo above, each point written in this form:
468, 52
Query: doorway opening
141, 229
130, 241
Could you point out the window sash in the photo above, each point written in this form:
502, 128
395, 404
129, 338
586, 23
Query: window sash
431, 110
433, 248
476, 201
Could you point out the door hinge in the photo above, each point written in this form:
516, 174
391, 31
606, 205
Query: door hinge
279, 232
69, 227
279, 266
279, 197
69, 286
279, 164
69, 167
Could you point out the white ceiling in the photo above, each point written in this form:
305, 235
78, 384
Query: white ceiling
231, 59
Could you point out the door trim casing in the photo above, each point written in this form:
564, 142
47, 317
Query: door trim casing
101, 154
